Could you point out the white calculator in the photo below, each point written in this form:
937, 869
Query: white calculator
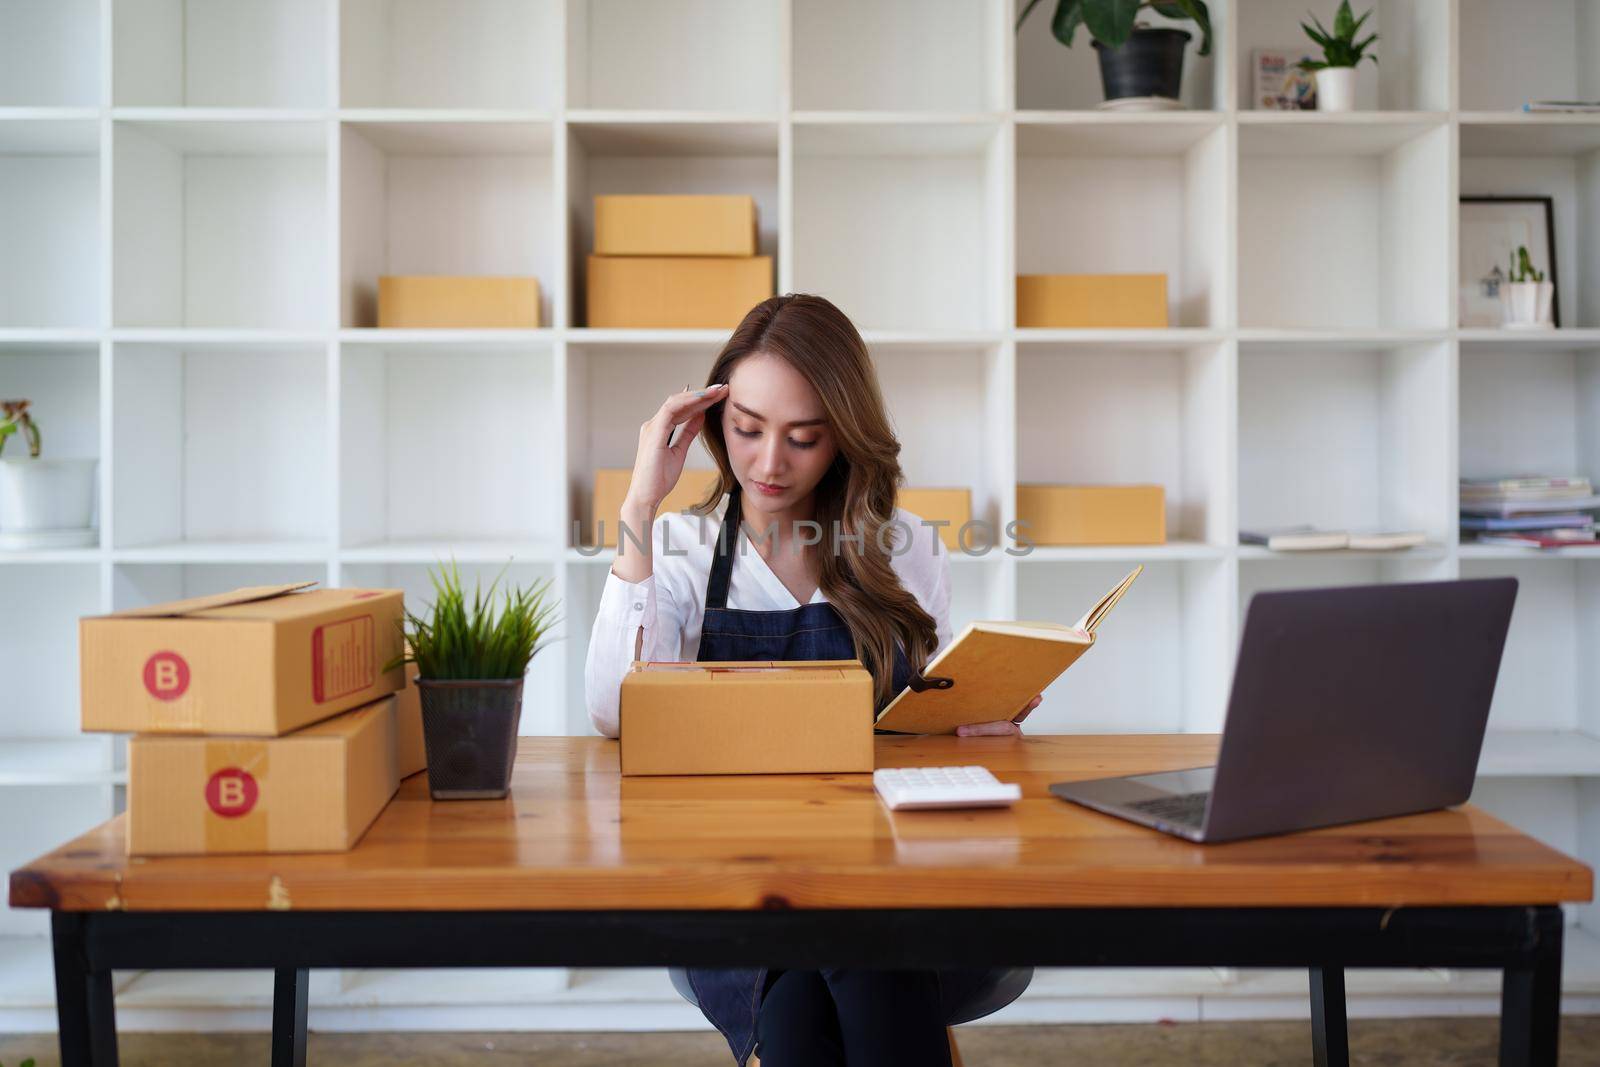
903, 788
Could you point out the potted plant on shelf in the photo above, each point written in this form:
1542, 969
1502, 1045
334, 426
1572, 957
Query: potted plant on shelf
44, 503
1525, 297
1336, 70
1141, 66
470, 662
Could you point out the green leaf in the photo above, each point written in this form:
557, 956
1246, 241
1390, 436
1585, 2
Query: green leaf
1111, 21
1344, 21
1196, 12
1068, 17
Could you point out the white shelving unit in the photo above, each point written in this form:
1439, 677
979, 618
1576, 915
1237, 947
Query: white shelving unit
198, 199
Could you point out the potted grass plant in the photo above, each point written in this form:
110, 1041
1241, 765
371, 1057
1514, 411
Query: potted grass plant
1336, 70
470, 657
1526, 299
1141, 66
44, 502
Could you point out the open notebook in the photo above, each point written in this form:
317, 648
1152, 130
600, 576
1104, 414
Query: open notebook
992, 669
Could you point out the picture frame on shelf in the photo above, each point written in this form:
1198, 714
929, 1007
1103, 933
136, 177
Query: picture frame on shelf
1492, 229
1278, 82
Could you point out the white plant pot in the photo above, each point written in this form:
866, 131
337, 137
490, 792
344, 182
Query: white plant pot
46, 503
1336, 89
1527, 305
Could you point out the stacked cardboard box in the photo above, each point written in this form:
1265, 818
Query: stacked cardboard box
263, 718
675, 262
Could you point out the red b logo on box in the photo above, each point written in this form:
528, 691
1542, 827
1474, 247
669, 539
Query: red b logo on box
232, 792
166, 676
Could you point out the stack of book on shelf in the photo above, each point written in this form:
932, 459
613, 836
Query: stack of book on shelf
1531, 511
1586, 106
1315, 539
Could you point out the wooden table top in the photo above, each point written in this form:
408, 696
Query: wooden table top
575, 834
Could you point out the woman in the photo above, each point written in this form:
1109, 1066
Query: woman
793, 416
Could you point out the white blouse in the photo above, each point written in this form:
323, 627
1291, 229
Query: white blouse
669, 605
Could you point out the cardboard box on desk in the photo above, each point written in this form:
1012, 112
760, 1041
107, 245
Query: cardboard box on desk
611, 488
260, 661
688, 225
676, 292
1092, 301
1092, 514
410, 749
425, 301
314, 790
806, 717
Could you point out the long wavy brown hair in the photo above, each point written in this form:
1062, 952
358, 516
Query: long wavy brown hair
858, 491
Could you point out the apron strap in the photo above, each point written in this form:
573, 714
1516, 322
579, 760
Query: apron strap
722, 558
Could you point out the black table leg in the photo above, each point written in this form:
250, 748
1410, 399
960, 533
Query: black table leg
1530, 999
289, 989
86, 1014
1330, 1032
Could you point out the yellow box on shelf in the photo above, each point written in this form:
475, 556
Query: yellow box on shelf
1092, 301
676, 292
953, 506
1092, 514
690, 225
459, 302
611, 487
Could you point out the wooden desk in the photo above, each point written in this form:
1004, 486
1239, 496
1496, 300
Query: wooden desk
582, 867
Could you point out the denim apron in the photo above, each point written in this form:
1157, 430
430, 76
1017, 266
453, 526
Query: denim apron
731, 997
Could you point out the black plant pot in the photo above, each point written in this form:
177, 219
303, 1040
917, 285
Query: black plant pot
470, 731
1149, 63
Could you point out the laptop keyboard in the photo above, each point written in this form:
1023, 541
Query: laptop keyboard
1188, 809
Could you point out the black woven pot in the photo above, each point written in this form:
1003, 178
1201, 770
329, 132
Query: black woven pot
470, 731
1150, 63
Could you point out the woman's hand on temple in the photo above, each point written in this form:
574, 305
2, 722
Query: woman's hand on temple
1000, 727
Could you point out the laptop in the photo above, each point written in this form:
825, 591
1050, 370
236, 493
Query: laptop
1348, 703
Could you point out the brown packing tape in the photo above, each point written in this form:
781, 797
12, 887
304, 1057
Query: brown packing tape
236, 808
176, 716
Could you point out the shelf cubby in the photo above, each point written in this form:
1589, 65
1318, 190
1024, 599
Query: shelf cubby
1510, 54
1558, 159
137, 585
611, 389
468, 198
220, 53
1378, 179
1548, 677
682, 55
50, 214
1346, 440
39, 647
50, 54
221, 449
947, 55
1052, 77
1143, 197
950, 409
33, 823
899, 223
1529, 411
1180, 612
621, 156
62, 382
1413, 43
448, 449
493, 54
220, 224
1106, 416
